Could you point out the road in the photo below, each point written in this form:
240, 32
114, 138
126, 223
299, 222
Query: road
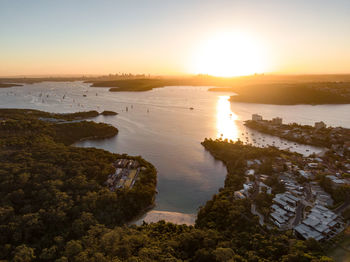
255, 212
298, 215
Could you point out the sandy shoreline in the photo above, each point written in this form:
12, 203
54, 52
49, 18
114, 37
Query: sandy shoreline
173, 217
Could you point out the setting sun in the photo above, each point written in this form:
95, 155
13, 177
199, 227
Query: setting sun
229, 54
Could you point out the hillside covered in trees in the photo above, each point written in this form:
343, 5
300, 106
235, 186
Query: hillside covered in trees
52, 193
260, 89
54, 205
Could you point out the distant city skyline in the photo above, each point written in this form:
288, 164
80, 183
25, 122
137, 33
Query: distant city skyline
224, 38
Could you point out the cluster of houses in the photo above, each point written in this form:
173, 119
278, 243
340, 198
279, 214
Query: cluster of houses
304, 206
320, 224
320, 196
284, 209
319, 135
256, 185
279, 120
126, 172
274, 121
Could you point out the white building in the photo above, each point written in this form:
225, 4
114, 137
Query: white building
262, 187
336, 182
256, 117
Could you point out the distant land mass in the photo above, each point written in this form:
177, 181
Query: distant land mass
292, 93
5, 85
146, 84
272, 92
263, 89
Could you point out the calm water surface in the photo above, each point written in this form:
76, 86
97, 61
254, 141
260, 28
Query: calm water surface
159, 126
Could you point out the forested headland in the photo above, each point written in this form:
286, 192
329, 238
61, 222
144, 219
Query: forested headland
293, 93
52, 193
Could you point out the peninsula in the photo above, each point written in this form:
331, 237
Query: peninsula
318, 135
51, 191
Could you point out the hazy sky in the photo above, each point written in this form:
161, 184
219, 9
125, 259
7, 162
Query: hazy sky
163, 37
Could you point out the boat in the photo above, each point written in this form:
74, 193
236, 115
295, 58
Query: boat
191, 108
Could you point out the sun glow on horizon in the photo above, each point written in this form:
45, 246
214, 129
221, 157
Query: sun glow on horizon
229, 54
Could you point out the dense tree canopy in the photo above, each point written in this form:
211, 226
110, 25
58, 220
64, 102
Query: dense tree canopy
54, 205
51, 192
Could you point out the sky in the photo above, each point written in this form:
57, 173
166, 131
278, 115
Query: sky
162, 37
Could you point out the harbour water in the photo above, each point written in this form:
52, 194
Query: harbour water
160, 126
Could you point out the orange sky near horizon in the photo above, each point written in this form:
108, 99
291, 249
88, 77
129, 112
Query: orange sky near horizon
221, 38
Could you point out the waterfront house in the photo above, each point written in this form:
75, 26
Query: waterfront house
256, 117
277, 121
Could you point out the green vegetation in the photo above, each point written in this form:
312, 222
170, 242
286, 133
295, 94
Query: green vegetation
109, 113
339, 194
259, 89
52, 193
232, 218
5, 85
68, 133
54, 205
77, 115
33, 80
303, 134
35, 114
265, 89
340, 251
139, 85
294, 93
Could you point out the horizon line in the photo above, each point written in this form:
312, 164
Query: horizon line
166, 75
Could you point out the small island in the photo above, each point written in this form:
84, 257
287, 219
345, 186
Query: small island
109, 113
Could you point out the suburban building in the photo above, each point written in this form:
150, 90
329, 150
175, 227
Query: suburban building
277, 121
256, 117
336, 182
284, 208
266, 188
321, 197
319, 125
239, 194
320, 224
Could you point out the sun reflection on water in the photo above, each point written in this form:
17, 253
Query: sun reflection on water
226, 120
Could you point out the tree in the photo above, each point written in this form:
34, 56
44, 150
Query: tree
23, 253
